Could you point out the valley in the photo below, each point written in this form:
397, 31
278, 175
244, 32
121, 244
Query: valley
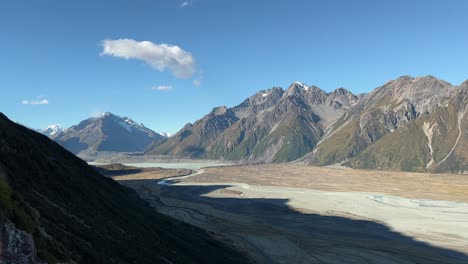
232, 132
416, 124
284, 213
302, 175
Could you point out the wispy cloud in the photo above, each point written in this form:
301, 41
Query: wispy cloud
162, 88
159, 56
198, 81
185, 3
39, 101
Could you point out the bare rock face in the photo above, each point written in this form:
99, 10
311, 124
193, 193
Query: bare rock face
273, 125
260, 101
344, 97
308, 125
17, 246
195, 139
385, 122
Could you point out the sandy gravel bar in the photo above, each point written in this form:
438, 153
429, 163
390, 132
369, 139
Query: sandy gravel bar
451, 187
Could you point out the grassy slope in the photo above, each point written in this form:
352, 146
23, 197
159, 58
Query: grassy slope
407, 148
297, 138
338, 146
351, 138
193, 141
86, 217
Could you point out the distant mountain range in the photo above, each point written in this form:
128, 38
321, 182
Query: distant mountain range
107, 132
51, 130
410, 124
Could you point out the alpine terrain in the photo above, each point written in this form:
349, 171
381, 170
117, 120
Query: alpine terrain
410, 124
273, 125
107, 132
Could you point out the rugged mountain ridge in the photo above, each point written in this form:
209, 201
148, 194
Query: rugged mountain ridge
194, 139
406, 124
107, 132
75, 215
397, 106
273, 125
436, 141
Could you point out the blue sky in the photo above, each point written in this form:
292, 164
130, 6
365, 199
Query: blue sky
52, 53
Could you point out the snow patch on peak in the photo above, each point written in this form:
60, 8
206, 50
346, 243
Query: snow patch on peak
55, 127
265, 94
51, 130
129, 124
302, 85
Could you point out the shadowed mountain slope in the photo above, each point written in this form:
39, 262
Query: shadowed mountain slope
77, 215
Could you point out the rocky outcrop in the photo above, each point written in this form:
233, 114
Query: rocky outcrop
17, 246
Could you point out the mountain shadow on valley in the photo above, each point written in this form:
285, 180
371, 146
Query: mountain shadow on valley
323, 238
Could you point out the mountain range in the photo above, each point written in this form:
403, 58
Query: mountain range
409, 124
54, 208
108, 132
271, 126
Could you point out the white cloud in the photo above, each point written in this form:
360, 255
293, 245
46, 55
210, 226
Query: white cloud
162, 88
159, 56
184, 4
198, 81
35, 102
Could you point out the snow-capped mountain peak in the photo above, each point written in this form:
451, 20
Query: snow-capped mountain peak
51, 130
107, 132
302, 85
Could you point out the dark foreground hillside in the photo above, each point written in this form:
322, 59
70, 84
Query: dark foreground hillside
76, 215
